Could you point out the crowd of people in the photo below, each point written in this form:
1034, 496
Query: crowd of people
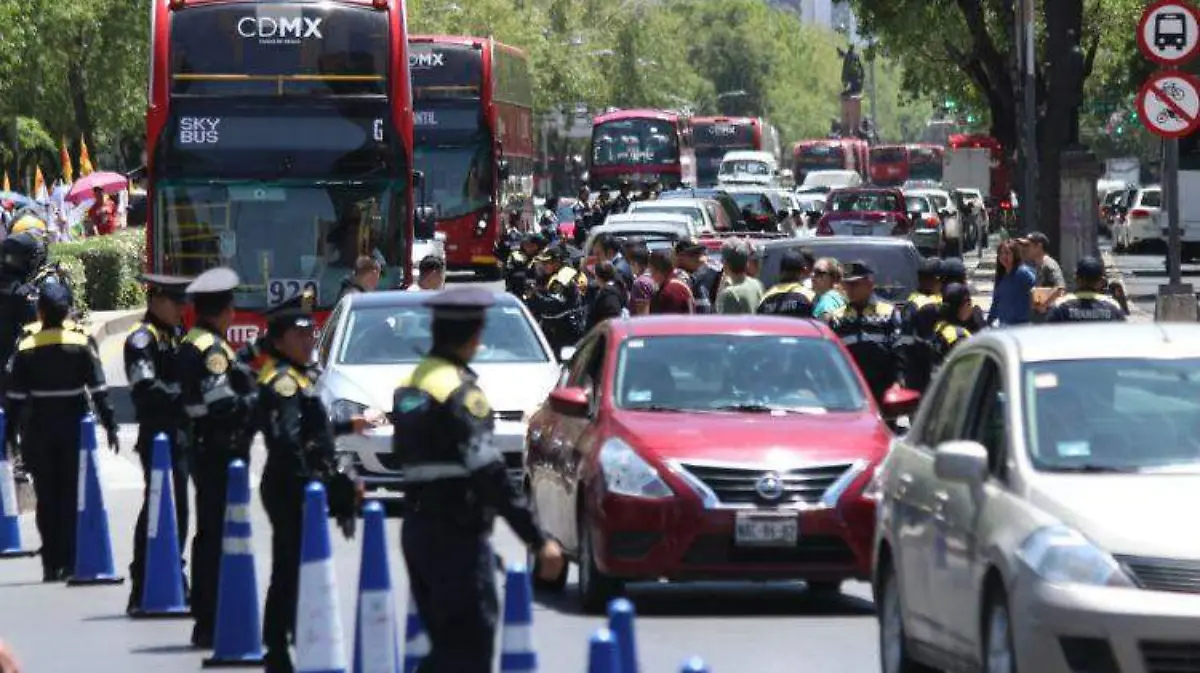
60, 221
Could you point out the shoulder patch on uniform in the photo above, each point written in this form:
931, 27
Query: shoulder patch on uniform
140, 339
476, 403
408, 401
217, 363
285, 386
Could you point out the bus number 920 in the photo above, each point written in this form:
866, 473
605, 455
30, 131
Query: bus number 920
280, 290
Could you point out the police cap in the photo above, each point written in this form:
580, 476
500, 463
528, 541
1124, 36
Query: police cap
793, 261
174, 287
856, 270
931, 267
54, 299
956, 294
555, 253
460, 303
215, 281
1089, 268
953, 270
295, 312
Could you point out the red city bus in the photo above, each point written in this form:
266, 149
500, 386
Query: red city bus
473, 133
714, 136
279, 143
925, 162
643, 147
848, 154
893, 165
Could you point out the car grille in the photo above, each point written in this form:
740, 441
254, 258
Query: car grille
1160, 574
1171, 657
734, 485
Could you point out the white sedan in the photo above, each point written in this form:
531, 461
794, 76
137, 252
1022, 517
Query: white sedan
372, 341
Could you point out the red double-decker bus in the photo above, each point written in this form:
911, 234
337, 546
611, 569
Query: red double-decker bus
473, 128
279, 143
714, 136
642, 147
848, 154
893, 165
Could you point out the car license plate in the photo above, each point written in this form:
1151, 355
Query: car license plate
755, 529
862, 230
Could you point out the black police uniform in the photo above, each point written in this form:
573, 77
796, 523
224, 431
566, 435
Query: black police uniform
456, 482
59, 376
1085, 306
955, 271
918, 316
518, 268
791, 298
151, 353
218, 396
19, 260
559, 305
871, 333
300, 448
947, 335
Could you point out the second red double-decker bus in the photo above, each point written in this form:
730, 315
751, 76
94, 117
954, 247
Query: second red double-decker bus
849, 154
279, 143
893, 165
473, 120
642, 147
714, 136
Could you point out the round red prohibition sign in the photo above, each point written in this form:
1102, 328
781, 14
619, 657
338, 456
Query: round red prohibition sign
1169, 104
1169, 32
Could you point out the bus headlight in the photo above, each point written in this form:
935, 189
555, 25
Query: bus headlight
480, 227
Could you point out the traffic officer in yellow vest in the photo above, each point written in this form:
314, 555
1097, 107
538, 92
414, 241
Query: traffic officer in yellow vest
789, 297
870, 329
518, 268
300, 449
954, 270
456, 484
558, 305
1087, 303
917, 317
67, 324
955, 315
218, 395
151, 350
60, 377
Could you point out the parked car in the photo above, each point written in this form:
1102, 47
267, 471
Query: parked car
373, 340
928, 234
1143, 221
707, 447
705, 214
762, 208
657, 235
955, 232
894, 260
1030, 521
865, 211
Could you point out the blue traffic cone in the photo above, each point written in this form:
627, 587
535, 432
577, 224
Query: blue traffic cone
162, 585
620, 622
416, 641
603, 655
516, 650
376, 636
237, 639
10, 509
694, 665
320, 642
93, 546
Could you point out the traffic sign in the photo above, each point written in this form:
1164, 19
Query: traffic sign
1169, 104
1169, 31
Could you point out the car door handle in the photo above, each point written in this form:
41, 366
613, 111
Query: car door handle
906, 480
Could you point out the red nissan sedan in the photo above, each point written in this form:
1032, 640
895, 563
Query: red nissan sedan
709, 447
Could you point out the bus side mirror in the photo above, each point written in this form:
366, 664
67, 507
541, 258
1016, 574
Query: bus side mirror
418, 179
502, 169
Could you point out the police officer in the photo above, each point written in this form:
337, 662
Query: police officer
621, 203
789, 296
67, 324
300, 449
955, 271
456, 484
870, 329
917, 319
150, 366
218, 396
1087, 303
955, 314
518, 268
60, 377
558, 305
19, 260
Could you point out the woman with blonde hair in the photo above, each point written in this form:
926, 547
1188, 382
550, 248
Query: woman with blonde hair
827, 286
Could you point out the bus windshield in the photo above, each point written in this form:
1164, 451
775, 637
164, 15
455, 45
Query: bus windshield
925, 164
727, 136
634, 141
454, 150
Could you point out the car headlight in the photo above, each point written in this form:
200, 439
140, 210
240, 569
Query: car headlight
627, 473
1062, 555
874, 488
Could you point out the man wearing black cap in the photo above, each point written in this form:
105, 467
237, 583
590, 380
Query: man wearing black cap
58, 374
300, 449
1087, 303
702, 279
789, 297
954, 270
151, 351
218, 396
456, 481
870, 329
917, 319
518, 268
559, 305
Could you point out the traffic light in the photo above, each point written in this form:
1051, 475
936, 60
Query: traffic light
951, 104
971, 119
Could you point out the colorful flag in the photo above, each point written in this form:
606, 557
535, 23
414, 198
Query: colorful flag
7, 186
40, 193
85, 162
64, 155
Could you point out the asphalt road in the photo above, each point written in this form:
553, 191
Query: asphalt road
767, 628
1145, 270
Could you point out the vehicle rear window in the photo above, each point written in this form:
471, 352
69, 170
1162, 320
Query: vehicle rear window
895, 265
386, 335
917, 204
1151, 198
757, 203
889, 155
864, 201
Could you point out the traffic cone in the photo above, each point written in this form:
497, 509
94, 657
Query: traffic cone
237, 640
10, 510
694, 665
376, 636
620, 622
93, 546
416, 641
162, 585
320, 642
603, 655
516, 651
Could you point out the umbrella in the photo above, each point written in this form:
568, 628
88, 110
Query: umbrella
17, 199
111, 183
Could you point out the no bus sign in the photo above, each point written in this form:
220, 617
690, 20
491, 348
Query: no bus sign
1169, 32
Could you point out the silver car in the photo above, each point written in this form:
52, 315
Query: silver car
372, 341
1039, 516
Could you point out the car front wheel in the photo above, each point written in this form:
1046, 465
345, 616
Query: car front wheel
893, 641
999, 656
595, 588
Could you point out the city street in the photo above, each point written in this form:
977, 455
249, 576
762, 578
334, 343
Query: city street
1144, 271
55, 628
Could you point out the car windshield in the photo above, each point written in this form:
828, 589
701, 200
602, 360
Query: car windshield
454, 152
745, 167
387, 335
654, 240
736, 373
1127, 414
917, 204
811, 204
859, 202
938, 200
895, 266
758, 204
826, 179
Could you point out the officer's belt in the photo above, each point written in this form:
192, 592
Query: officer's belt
43, 394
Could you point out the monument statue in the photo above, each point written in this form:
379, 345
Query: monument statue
852, 72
